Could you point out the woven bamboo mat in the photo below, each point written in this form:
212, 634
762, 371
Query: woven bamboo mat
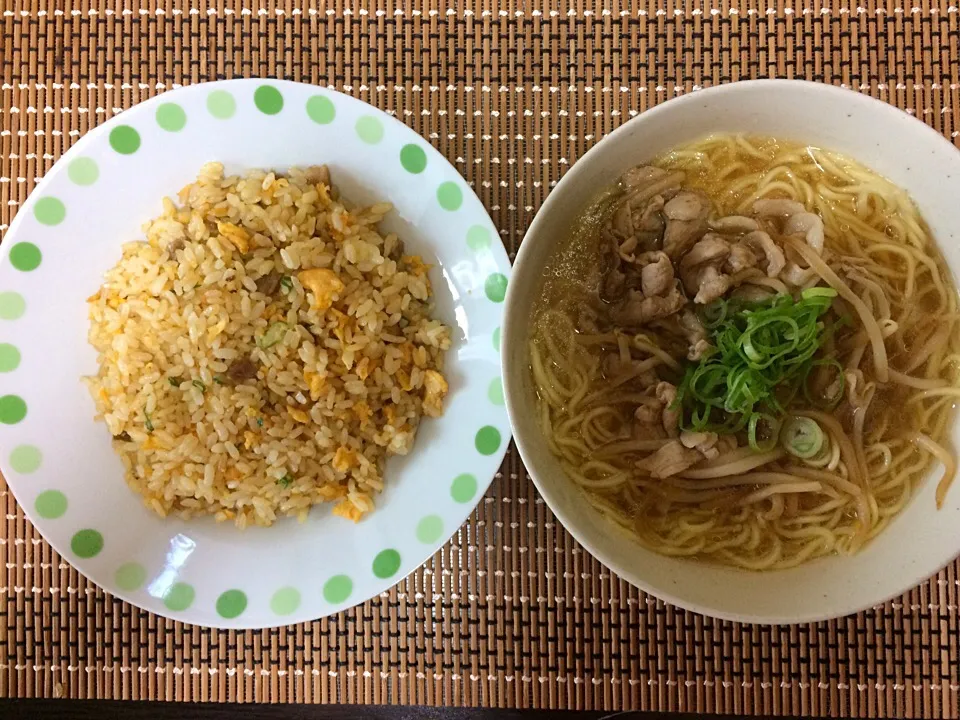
511, 612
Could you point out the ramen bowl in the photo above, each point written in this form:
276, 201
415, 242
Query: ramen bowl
921, 539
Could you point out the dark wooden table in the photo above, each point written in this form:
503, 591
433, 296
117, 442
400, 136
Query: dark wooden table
110, 710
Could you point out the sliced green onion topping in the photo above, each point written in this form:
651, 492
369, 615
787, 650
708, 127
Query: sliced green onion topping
818, 292
199, 385
802, 437
764, 354
762, 432
713, 314
838, 381
273, 335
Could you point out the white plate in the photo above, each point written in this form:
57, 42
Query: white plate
59, 461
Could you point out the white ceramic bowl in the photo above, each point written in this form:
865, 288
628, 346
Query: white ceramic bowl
921, 540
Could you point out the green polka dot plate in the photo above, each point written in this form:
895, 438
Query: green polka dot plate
59, 461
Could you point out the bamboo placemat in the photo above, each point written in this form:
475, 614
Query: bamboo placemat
512, 612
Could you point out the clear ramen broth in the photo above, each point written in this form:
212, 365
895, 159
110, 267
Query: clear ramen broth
746, 353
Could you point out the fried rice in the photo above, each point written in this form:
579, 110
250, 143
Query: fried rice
264, 350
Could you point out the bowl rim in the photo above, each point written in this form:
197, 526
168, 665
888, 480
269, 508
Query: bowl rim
515, 316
